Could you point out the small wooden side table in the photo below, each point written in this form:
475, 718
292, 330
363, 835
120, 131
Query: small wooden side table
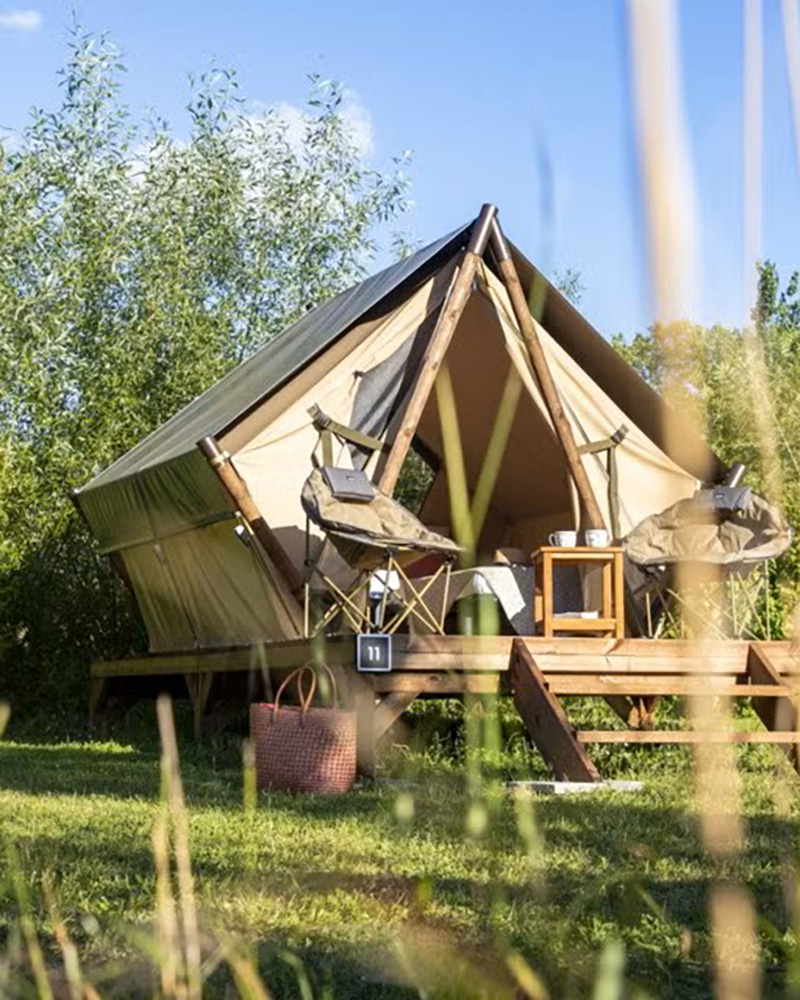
611, 620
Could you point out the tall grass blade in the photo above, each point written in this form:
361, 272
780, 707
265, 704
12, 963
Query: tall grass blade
791, 46
610, 981
495, 450
670, 210
27, 925
166, 920
454, 465
69, 953
180, 826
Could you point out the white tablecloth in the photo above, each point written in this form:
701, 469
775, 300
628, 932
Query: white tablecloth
511, 585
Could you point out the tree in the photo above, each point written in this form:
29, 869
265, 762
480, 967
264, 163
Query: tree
708, 371
135, 269
570, 284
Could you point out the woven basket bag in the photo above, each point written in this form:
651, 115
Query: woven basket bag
304, 749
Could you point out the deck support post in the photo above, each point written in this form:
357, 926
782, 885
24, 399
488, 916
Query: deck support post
98, 689
199, 687
546, 720
362, 697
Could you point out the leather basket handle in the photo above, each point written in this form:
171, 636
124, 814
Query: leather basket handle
305, 700
305, 697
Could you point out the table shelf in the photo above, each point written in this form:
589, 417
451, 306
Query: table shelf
611, 620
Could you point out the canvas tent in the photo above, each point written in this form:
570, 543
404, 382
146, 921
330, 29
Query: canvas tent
176, 531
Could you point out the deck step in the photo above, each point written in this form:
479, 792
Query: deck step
643, 686
683, 736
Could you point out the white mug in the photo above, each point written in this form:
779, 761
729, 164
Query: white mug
596, 538
564, 539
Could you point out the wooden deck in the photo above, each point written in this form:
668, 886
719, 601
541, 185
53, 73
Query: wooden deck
631, 674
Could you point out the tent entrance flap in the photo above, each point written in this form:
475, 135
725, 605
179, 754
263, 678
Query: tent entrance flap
531, 494
609, 445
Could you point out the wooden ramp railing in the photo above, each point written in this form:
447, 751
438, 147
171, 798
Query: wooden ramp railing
536, 690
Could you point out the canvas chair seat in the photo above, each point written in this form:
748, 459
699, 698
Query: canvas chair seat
362, 532
678, 535
722, 552
376, 538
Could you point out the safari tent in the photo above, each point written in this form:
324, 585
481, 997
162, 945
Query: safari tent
204, 517
163, 511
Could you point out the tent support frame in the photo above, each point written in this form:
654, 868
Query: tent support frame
508, 273
236, 488
486, 231
437, 348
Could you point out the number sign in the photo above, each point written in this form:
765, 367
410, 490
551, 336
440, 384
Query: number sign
373, 654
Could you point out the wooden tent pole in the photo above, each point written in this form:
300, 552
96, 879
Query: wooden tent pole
235, 486
544, 376
439, 342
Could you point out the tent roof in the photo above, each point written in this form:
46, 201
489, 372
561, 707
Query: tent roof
665, 427
271, 365
249, 383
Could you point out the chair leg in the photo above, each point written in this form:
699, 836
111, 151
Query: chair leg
344, 604
417, 599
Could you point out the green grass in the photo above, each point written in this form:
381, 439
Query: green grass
384, 892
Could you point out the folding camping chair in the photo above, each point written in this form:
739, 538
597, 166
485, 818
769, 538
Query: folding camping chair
377, 537
723, 538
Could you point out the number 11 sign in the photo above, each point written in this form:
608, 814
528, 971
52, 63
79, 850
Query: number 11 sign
373, 654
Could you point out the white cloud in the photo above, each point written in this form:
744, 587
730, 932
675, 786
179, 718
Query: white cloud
293, 121
20, 20
355, 116
358, 122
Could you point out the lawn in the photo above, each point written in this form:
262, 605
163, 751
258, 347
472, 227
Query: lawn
428, 883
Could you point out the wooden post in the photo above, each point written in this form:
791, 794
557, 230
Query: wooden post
546, 720
235, 486
364, 699
98, 689
439, 342
544, 377
199, 687
391, 707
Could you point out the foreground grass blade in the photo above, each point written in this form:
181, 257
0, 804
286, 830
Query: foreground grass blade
27, 925
180, 825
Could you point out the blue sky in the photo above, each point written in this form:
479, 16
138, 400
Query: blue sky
475, 91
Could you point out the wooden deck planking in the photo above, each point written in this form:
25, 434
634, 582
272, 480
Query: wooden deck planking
479, 654
684, 736
536, 670
644, 685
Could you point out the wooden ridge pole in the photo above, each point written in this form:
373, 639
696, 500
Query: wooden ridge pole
236, 488
544, 377
439, 342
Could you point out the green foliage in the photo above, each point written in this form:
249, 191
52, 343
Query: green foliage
712, 375
570, 283
415, 480
135, 269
